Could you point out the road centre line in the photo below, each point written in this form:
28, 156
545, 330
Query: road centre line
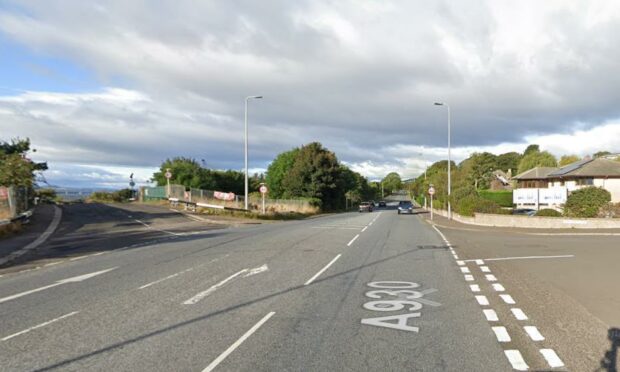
523, 258
212, 289
38, 326
235, 345
533, 332
516, 360
552, 358
323, 269
352, 240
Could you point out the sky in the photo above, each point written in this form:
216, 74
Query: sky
108, 88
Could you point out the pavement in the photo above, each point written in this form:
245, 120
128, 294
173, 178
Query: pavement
345, 292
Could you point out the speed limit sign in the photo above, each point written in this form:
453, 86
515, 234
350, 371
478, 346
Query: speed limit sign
263, 189
431, 190
168, 175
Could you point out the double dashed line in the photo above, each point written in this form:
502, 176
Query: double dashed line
501, 333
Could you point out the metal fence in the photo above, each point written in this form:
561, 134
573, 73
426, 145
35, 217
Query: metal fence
14, 201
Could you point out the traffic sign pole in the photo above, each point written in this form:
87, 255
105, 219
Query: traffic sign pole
263, 190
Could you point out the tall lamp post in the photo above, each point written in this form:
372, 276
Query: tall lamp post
246, 146
449, 173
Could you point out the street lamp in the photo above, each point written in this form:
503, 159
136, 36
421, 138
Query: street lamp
246, 146
449, 177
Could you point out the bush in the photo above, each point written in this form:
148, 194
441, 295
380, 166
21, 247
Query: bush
586, 202
610, 210
471, 204
502, 197
548, 213
111, 197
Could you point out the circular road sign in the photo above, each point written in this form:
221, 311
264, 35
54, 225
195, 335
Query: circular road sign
263, 189
168, 175
431, 190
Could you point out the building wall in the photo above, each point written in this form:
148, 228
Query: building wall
612, 185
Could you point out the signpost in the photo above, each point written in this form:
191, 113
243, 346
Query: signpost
431, 192
168, 176
263, 190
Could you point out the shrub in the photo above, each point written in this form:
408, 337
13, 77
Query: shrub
586, 202
610, 210
548, 213
502, 197
471, 204
111, 197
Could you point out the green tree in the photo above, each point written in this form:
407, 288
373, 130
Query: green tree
277, 170
531, 149
16, 169
601, 153
509, 161
537, 159
480, 167
568, 159
186, 172
391, 183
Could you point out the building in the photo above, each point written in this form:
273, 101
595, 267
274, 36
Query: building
545, 187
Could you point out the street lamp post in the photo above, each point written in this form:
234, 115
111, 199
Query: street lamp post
449, 161
246, 147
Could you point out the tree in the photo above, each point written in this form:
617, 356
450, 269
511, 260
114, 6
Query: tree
531, 149
568, 159
391, 183
480, 166
601, 153
186, 172
16, 169
277, 170
509, 161
536, 159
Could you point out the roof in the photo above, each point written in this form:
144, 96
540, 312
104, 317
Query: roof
598, 167
535, 173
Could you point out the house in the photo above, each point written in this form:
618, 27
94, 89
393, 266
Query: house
549, 187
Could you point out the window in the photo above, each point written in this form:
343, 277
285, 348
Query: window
585, 182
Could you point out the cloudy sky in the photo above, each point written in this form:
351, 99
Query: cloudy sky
107, 88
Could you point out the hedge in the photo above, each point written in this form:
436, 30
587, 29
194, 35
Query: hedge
586, 202
501, 197
548, 213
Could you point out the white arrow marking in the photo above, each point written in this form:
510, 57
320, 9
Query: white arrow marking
74, 279
217, 286
256, 270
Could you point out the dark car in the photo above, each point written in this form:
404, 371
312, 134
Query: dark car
382, 204
524, 212
405, 207
365, 207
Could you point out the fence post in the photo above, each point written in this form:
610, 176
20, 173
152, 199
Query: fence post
12, 207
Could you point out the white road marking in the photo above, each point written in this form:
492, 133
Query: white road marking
456, 257
485, 269
322, 270
498, 287
479, 262
152, 228
527, 257
469, 278
507, 299
364, 229
52, 263
482, 300
491, 315
74, 279
352, 240
474, 287
465, 270
501, 333
213, 288
166, 278
38, 326
552, 358
440, 233
518, 313
491, 277
232, 347
460, 263
533, 332
516, 360
257, 270
335, 227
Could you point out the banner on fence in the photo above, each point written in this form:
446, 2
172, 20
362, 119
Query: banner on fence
224, 195
4, 193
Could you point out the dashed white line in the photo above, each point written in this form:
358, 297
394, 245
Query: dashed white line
460, 263
516, 360
501, 333
322, 270
352, 240
479, 262
465, 270
519, 314
38, 326
212, 289
455, 257
364, 229
485, 269
166, 278
482, 300
552, 358
507, 299
469, 278
474, 287
491, 277
533, 332
491, 315
232, 347
498, 287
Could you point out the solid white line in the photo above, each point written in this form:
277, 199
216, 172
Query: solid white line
465, 270
527, 257
39, 326
212, 289
507, 299
501, 333
491, 315
516, 360
485, 269
533, 333
474, 287
440, 233
482, 300
552, 358
232, 347
469, 278
519, 314
323, 269
352, 240
364, 229
491, 277
479, 262
498, 287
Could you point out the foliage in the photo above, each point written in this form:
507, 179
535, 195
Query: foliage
568, 159
502, 197
601, 153
46, 194
277, 170
531, 149
586, 202
548, 212
111, 197
479, 167
508, 161
391, 183
15, 167
471, 204
610, 210
536, 159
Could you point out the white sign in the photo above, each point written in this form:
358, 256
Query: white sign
168, 175
263, 189
431, 190
552, 195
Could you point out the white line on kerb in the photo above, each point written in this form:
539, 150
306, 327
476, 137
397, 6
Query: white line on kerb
516, 360
38, 326
212, 289
552, 358
518, 313
323, 269
491, 315
352, 240
533, 332
501, 333
507, 299
232, 347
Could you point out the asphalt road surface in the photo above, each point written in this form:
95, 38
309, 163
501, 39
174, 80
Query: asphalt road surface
348, 292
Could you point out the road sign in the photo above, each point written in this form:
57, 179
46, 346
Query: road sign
263, 189
431, 190
132, 184
168, 175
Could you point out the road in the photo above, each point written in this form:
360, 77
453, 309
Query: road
352, 292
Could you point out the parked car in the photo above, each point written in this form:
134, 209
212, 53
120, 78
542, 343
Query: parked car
382, 204
366, 207
524, 212
405, 207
